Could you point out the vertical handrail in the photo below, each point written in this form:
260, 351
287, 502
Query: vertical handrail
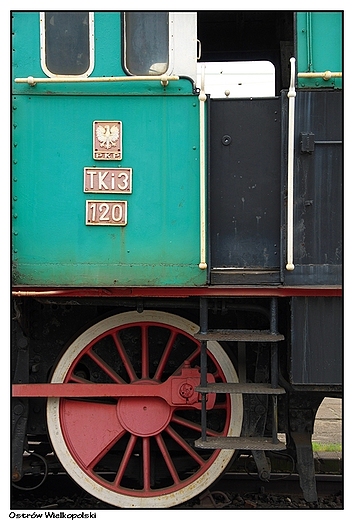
202, 99
290, 228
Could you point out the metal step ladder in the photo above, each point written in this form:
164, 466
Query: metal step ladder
270, 336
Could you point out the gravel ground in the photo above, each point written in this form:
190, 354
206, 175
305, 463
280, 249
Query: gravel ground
270, 501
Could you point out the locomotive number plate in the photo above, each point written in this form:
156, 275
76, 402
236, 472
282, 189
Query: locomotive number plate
106, 213
111, 180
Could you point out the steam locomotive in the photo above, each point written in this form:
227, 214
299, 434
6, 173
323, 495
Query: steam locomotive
176, 245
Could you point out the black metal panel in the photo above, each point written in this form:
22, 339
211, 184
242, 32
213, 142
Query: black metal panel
317, 188
245, 190
316, 341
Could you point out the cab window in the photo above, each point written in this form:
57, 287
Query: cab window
146, 41
66, 43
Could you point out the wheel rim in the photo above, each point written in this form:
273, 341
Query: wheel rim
112, 447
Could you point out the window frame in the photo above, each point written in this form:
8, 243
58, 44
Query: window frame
91, 56
170, 47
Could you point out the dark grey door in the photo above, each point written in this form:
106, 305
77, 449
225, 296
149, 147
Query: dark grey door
245, 190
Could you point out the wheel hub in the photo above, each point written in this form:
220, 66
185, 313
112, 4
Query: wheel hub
144, 416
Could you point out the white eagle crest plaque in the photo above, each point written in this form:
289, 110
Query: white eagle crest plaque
107, 140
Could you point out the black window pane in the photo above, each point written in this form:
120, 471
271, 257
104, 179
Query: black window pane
67, 45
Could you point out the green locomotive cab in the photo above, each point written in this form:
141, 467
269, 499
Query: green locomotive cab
122, 189
107, 171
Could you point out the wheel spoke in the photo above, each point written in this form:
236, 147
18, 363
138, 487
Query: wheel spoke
167, 458
220, 406
146, 463
105, 367
144, 352
125, 460
165, 356
78, 379
176, 437
124, 357
189, 359
193, 426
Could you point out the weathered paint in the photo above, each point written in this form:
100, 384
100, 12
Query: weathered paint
319, 46
53, 143
245, 183
318, 185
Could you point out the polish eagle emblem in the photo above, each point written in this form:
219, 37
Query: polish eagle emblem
107, 135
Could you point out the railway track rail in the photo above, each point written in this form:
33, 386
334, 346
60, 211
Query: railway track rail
235, 490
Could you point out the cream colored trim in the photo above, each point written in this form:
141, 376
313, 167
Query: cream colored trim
290, 224
202, 99
103, 79
91, 45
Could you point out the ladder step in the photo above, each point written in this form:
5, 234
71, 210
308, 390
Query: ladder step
240, 443
240, 388
239, 335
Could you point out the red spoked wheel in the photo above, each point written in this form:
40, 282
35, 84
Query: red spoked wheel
134, 447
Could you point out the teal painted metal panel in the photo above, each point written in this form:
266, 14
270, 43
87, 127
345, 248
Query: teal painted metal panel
319, 47
26, 37
108, 61
53, 143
